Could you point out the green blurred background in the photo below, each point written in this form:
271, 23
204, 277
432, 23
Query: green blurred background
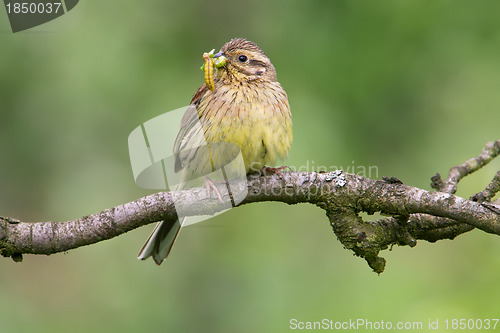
411, 87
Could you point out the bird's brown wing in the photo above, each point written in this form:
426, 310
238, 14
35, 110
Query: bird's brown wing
188, 125
199, 94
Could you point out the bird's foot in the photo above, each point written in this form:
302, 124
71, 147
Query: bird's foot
277, 170
210, 184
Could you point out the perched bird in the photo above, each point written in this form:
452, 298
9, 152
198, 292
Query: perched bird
247, 107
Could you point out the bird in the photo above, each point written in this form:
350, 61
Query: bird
245, 107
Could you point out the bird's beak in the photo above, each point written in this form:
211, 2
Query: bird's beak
220, 60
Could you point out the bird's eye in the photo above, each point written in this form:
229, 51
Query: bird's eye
242, 58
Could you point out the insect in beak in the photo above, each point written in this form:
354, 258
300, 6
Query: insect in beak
211, 59
220, 60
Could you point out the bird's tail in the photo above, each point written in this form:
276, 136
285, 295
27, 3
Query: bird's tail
160, 241
163, 237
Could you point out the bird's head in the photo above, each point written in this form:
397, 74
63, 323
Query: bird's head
244, 61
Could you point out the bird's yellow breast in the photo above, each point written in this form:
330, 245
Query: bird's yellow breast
254, 116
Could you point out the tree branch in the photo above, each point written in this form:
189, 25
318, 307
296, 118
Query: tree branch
489, 192
489, 152
414, 213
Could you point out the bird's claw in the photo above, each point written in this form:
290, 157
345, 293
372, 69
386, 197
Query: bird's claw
275, 170
209, 184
